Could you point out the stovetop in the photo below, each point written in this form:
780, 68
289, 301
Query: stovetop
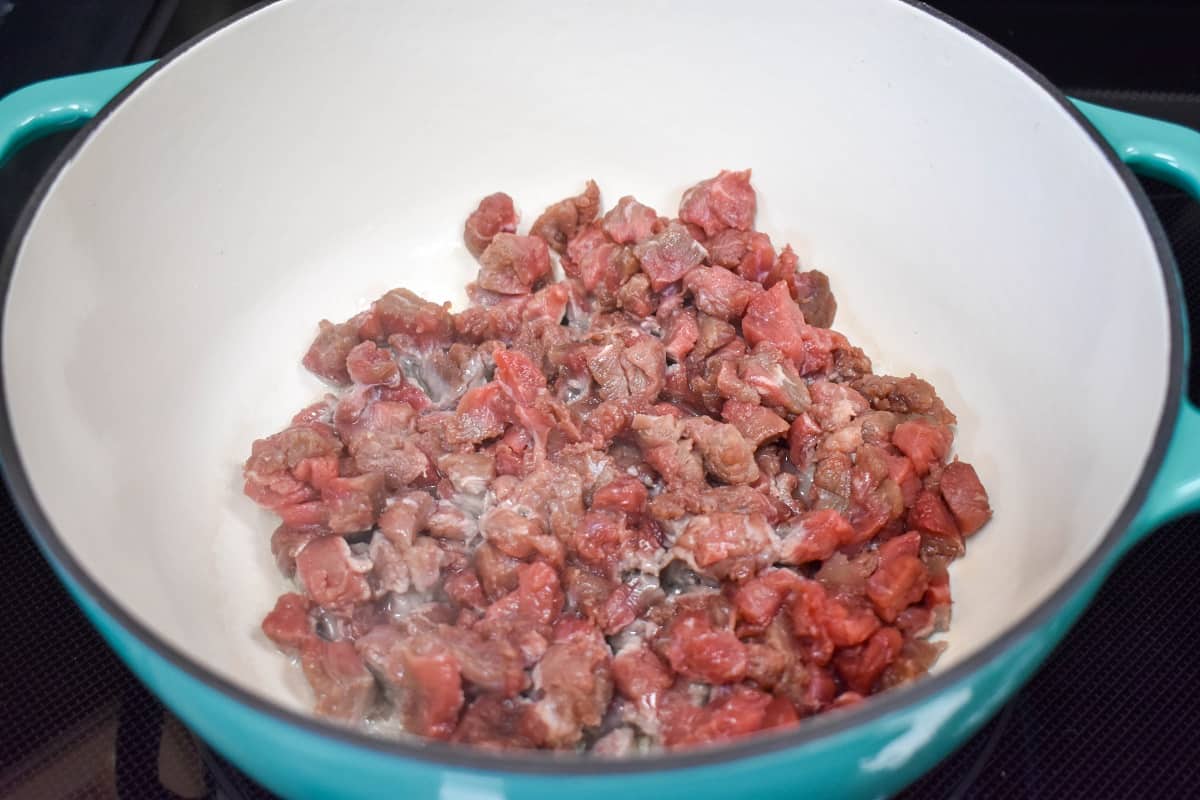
1115, 712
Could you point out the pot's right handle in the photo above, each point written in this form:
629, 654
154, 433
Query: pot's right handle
1169, 153
59, 104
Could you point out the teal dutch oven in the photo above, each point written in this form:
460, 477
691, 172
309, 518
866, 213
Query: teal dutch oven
980, 229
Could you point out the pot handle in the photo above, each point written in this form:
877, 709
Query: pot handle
1169, 153
59, 104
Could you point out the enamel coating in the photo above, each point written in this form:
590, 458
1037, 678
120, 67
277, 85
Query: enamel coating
868, 752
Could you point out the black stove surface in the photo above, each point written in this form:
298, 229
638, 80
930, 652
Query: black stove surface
1114, 713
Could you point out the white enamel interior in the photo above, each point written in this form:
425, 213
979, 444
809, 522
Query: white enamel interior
298, 163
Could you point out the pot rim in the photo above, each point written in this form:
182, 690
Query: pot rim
439, 754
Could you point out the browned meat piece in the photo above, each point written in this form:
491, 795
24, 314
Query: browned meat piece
289, 625
748, 253
559, 223
495, 214
757, 424
726, 201
630, 222
382, 441
400, 313
286, 543
665, 448
331, 575
668, 256
338, 677
964, 494
326, 357
719, 293
279, 470
811, 292
575, 682
909, 395
727, 455
726, 545
513, 264
628, 365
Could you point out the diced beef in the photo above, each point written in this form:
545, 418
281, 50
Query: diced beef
811, 292
674, 504
601, 269
930, 515
925, 443
330, 574
728, 455
834, 405
389, 566
480, 415
730, 714
343, 687
860, 667
699, 652
635, 296
538, 598
574, 678
353, 504
369, 365
726, 545
774, 379
757, 425
726, 201
965, 496
327, 355
469, 473
773, 316
382, 441
289, 625
713, 334
909, 395
896, 585
424, 560
517, 536
668, 256
630, 222
630, 366
813, 536
408, 514
666, 449
638, 673
497, 571
748, 253
758, 600
494, 215
681, 335
286, 543
513, 264
279, 470
623, 493
559, 223
400, 313
720, 293
429, 682
496, 723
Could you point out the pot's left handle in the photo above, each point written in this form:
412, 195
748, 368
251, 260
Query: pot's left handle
58, 104
1169, 153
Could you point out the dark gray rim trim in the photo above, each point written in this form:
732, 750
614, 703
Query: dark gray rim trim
442, 755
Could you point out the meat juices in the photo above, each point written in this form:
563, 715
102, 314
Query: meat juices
657, 503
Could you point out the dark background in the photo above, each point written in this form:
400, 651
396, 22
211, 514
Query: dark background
1115, 712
